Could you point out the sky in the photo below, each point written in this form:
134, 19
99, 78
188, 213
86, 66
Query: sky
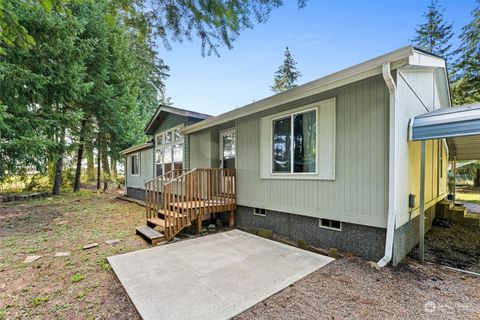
324, 37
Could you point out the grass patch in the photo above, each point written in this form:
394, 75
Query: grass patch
39, 300
103, 263
472, 197
77, 277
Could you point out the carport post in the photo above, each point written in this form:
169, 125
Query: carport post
421, 230
454, 179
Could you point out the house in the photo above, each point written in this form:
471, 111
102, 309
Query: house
328, 162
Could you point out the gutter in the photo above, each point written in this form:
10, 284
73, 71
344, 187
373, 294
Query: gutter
392, 153
349, 75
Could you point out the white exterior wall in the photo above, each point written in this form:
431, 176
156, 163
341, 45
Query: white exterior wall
422, 85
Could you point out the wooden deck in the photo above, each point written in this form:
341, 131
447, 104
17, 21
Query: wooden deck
179, 197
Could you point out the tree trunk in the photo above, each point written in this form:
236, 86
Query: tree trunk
78, 172
59, 164
90, 161
106, 168
113, 163
98, 164
476, 182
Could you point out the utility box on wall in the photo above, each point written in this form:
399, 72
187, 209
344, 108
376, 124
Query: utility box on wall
411, 200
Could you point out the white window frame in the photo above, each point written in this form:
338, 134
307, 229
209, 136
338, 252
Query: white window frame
172, 143
220, 138
259, 214
326, 143
290, 115
329, 228
131, 164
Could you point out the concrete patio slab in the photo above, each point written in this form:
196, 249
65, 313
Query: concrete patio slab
212, 277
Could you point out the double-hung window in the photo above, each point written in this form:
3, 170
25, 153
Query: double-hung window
169, 151
294, 143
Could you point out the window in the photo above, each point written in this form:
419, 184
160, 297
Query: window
330, 224
168, 137
169, 151
299, 143
178, 156
160, 139
259, 212
294, 141
135, 162
177, 135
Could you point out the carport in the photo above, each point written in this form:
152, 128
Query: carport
460, 127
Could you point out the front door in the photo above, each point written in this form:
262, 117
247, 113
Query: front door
227, 148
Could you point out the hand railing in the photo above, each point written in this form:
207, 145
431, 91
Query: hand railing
197, 192
153, 190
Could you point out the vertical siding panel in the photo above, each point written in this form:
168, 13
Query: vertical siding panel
360, 175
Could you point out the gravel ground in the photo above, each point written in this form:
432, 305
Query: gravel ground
350, 289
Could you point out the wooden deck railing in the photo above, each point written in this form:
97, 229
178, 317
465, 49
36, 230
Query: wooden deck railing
188, 196
154, 190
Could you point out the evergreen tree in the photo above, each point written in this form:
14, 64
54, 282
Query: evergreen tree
466, 80
287, 74
434, 35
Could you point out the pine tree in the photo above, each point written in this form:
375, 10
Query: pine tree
287, 74
434, 35
466, 80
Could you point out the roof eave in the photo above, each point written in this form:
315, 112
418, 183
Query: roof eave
352, 74
182, 112
138, 147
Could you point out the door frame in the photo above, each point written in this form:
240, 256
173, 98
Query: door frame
220, 137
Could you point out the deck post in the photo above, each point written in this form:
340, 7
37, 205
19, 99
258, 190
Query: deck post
231, 221
421, 231
199, 222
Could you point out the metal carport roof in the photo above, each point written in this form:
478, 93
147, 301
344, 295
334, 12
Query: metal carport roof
460, 126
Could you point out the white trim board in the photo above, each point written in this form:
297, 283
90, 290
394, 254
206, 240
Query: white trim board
398, 58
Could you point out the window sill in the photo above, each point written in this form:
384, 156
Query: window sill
293, 176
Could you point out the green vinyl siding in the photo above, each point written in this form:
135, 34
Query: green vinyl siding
145, 174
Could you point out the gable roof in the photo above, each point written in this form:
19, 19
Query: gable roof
168, 109
138, 147
402, 57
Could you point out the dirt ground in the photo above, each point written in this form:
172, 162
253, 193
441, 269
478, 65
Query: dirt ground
79, 286
83, 286
455, 246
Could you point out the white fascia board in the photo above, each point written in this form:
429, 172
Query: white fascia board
352, 74
426, 60
420, 60
138, 147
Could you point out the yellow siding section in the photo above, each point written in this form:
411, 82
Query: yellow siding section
435, 173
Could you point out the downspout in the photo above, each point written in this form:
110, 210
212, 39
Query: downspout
392, 89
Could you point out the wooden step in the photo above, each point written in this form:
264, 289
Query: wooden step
152, 235
171, 214
154, 222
